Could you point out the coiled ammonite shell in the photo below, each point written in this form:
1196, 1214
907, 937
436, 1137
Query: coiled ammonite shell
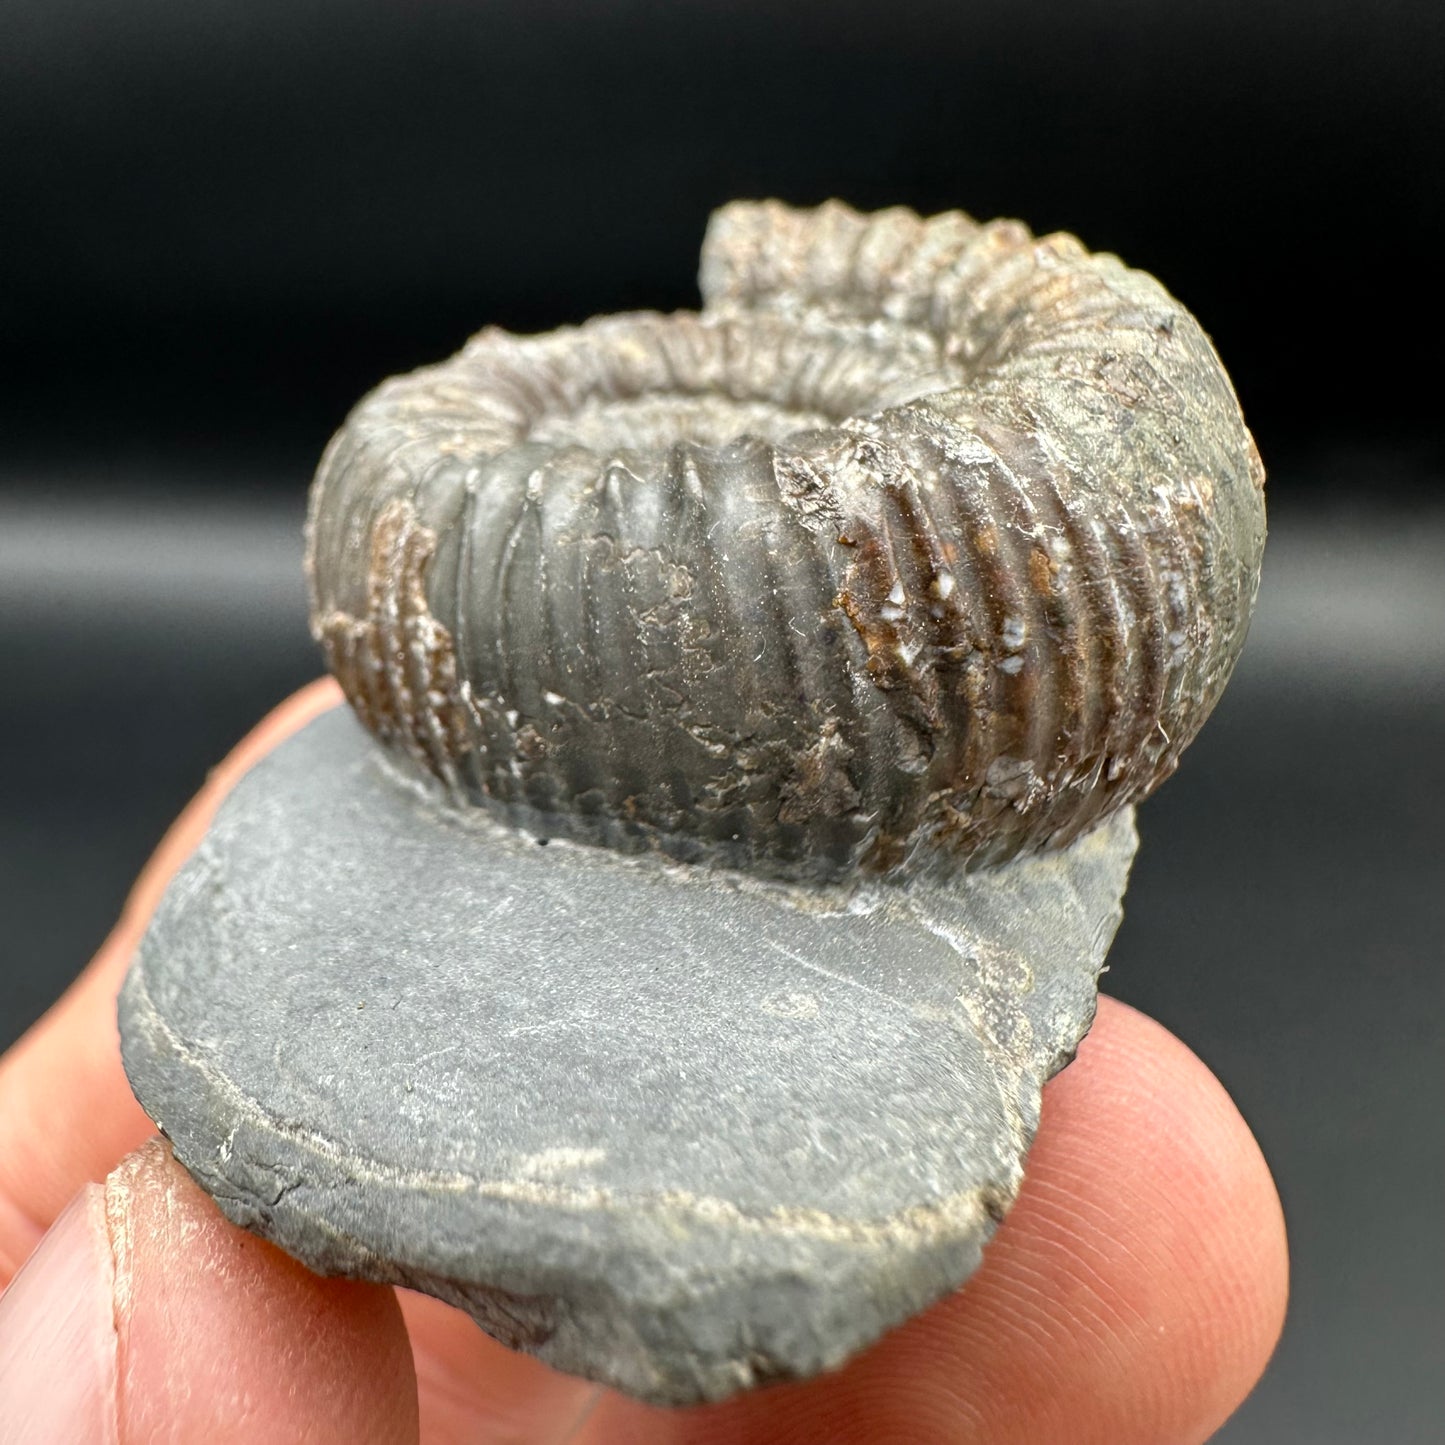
925, 542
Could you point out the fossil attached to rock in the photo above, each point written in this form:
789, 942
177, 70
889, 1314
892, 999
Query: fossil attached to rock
829, 634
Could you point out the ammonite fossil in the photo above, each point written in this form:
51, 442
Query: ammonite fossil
923, 536
829, 634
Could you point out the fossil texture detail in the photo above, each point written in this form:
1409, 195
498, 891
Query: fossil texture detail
925, 541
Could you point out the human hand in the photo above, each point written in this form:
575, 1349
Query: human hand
1132, 1296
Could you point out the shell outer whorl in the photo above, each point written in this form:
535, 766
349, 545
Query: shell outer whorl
925, 543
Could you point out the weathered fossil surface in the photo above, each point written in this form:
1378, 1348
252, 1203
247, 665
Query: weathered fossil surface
924, 538
670, 1128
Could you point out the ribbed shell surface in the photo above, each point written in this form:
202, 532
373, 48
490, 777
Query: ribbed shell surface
925, 543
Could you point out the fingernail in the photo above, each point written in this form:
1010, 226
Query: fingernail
57, 1334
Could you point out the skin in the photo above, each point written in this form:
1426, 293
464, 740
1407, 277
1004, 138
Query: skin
1133, 1296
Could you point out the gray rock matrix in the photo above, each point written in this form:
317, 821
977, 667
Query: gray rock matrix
669, 1128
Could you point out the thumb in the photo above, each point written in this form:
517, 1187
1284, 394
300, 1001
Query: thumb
144, 1316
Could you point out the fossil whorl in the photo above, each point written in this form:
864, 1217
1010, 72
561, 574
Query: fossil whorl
925, 540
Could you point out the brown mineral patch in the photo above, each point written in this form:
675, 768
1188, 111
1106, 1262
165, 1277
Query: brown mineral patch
397, 664
820, 786
1041, 572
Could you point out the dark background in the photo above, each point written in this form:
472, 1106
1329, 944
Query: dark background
220, 223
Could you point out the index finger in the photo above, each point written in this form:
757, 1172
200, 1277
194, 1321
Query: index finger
67, 1115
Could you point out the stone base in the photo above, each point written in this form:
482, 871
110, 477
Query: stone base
668, 1128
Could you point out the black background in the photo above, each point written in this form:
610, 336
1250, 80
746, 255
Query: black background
220, 223
224, 221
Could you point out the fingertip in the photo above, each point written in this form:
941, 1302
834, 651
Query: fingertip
57, 1335
215, 1335
144, 1317
1151, 1174
66, 1110
1138, 1288
221, 1337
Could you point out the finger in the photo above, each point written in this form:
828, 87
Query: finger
1132, 1296
67, 1116
474, 1391
145, 1317
66, 1112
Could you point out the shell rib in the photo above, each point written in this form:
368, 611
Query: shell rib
926, 542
